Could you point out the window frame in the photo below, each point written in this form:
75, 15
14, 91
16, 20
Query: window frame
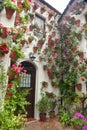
40, 34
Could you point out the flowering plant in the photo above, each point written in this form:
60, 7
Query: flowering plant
4, 31
52, 100
45, 84
10, 4
15, 72
24, 5
79, 119
4, 49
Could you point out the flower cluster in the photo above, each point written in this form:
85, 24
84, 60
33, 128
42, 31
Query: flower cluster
52, 100
4, 49
15, 72
18, 69
79, 119
4, 31
79, 115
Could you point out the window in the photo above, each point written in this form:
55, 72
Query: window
26, 80
40, 21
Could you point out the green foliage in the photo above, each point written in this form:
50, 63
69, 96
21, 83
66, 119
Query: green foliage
43, 103
9, 121
12, 105
65, 118
8, 3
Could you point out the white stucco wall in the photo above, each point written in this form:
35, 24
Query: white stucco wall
41, 75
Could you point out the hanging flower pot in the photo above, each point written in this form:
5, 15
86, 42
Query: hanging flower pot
9, 12
13, 56
31, 17
81, 54
34, 7
11, 74
42, 10
79, 86
45, 84
30, 39
79, 37
35, 48
4, 33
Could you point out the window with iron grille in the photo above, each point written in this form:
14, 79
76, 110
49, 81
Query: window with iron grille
26, 80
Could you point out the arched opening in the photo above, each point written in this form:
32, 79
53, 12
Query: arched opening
28, 82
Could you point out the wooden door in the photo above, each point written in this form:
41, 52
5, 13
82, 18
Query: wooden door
28, 82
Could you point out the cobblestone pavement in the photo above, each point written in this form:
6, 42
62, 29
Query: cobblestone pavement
50, 124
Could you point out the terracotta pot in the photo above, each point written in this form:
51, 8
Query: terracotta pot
9, 12
79, 87
78, 127
4, 34
42, 116
52, 114
13, 56
35, 48
31, 28
11, 74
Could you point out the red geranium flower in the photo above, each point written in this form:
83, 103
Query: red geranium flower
82, 78
9, 85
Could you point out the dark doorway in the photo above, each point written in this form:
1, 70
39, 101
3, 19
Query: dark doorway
28, 82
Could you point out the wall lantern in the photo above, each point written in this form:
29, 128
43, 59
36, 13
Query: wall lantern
31, 56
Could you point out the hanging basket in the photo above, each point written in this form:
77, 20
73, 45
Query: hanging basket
79, 86
9, 12
13, 56
11, 74
3, 34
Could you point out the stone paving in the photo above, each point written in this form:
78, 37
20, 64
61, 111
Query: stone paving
50, 124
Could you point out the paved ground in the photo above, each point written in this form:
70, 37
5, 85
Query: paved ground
50, 124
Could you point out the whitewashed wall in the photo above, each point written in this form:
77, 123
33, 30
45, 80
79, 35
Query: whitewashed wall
41, 75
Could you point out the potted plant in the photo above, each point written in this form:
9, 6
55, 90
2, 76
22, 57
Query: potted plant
52, 103
10, 7
30, 39
4, 31
43, 106
42, 10
31, 15
78, 121
44, 84
15, 54
35, 6
33, 26
4, 49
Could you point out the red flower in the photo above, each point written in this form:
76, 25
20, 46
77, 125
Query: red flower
9, 85
20, 5
82, 78
77, 22
29, 0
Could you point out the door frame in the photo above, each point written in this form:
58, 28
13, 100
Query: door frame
37, 89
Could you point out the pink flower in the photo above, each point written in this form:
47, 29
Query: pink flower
1, 25
20, 5
13, 66
29, 0
17, 71
25, 71
13, 0
8, 31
